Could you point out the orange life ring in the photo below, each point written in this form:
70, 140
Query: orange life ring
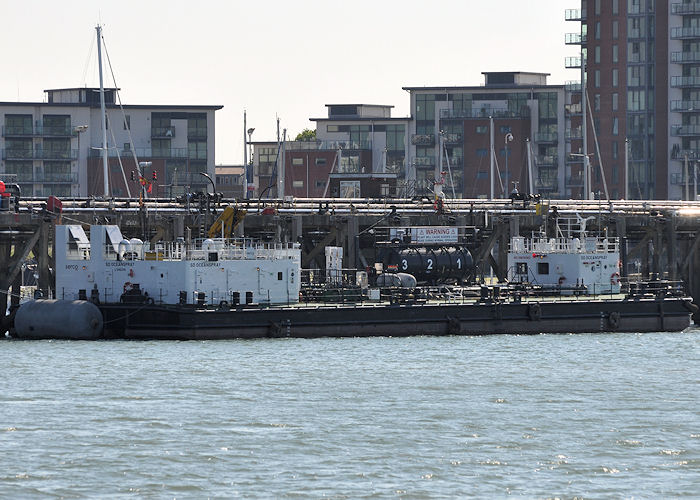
615, 279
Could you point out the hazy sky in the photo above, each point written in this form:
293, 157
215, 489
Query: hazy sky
273, 58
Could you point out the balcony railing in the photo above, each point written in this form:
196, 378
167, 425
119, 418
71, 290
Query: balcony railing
685, 81
423, 139
572, 62
39, 130
547, 184
167, 153
573, 134
328, 145
38, 178
572, 86
685, 8
575, 38
682, 154
573, 109
575, 14
39, 154
547, 137
679, 179
685, 130
424, 161
163, 132
453, 138
685, 106
574, 181
685, 57
524, 112
197, 133
685, 32
547, 161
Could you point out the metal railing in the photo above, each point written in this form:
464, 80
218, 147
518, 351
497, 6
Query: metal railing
685, 106
167, 153
39, 154
685, 81
685, 57
685, 8
423, 139
546, 161
328, 145
572, 86
685, 130
684, 32
575, 14
574, 38
572, 62
424, 161
163, 132
546, 137
38, 131
197, 133
524, 112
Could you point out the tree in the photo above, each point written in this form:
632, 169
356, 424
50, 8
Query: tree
306, 135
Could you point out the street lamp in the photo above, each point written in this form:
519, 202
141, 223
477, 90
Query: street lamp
77, 130
508, 138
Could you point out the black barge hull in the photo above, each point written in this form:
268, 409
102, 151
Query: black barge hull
163, 322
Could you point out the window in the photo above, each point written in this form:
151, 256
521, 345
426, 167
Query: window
349, 189
543, 268
615, 54
331, 128
297, 162
481, 129
127, 123
127, 146
615, 126
597, 30
320, 162
521, 268
596, 53
482, 153
596, 102
615, 77
615, 101
615, 174
298, 184
596, 80
597, 7
320, 184
279, 276
615, 150
615, 7
615, 30
505, 129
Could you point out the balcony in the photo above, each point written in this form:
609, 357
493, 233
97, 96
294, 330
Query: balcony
547, 161
423, 139
575, 39
547, 184
39, 131
39, 154
685, 57
573, 134
682, 154
197, 133
328, 145
424, 161
685, 33
685, 130
679, 179
572, 62
57, 178
167, 153
573, 109
575, 14
463, 114
574, 181
453, 139
572, 86
685, 8
685, 106
547, 137
163, 132
685, 82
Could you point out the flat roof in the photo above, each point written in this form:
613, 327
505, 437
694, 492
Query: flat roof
361, 119
374, 105
131, 106
486, 87
514, 73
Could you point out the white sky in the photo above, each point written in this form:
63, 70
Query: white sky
273, 58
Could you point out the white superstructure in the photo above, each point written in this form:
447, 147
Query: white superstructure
213, 269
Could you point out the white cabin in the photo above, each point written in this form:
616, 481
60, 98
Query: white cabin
216, 268
590, 263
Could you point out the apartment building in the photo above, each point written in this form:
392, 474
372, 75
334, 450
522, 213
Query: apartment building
641, 65
55, 146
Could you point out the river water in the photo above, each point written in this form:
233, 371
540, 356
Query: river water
599, 415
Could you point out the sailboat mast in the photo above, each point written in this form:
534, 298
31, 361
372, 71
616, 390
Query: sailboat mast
584, 128
104, 114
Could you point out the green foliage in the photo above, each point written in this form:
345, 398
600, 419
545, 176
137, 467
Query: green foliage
306, 135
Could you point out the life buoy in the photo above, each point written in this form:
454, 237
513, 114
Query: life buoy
127, 286
615, 278
562, 279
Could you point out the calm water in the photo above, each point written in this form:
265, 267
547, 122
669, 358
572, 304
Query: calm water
542, 416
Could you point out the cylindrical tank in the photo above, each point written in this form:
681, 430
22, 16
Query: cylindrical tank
403, 280
58, 319
430, 264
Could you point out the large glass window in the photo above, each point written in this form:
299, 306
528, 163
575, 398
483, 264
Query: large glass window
18, 124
